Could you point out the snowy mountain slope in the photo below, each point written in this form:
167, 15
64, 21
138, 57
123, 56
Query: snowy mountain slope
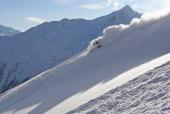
146, 94
42, 47
6, 31
77, 99
75, 82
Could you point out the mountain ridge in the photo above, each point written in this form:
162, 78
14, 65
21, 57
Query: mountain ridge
7, 31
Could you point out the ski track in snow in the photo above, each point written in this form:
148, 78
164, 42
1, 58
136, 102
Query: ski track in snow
146, 94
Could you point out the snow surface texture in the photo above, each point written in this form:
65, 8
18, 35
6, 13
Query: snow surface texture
42, 47
146, 94
6, 31
77, 81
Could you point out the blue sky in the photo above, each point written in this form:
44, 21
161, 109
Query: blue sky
23, 14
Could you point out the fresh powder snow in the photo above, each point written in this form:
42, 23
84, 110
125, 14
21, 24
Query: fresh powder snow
126, 52
146, 94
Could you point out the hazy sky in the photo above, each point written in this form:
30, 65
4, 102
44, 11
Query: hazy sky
23, 14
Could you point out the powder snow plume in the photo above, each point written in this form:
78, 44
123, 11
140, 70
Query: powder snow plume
115, 33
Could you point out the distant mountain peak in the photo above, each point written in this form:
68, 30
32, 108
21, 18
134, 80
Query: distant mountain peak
127, 7
65, 19
127, 10
7, 31
125, 13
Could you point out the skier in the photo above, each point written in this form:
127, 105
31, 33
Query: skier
96, 44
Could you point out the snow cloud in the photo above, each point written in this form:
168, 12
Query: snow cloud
96, 6
61, 1
114, 33
151, 5
102, 5
35, 20
143, 6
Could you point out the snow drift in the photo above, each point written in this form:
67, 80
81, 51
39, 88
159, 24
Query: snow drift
77, 81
